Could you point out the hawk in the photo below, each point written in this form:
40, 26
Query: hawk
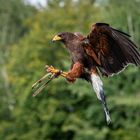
104, 51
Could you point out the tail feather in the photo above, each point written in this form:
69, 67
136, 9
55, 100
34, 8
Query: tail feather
98, 88
106, 111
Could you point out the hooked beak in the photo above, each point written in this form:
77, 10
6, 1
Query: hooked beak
56, 38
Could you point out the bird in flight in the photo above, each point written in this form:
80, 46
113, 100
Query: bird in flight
104, 51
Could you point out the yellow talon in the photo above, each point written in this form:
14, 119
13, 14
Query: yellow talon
52, 70
52, 73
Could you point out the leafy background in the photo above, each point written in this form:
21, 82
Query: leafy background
63, 111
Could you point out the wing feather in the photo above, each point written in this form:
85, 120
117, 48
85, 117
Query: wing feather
128, 48
113, 47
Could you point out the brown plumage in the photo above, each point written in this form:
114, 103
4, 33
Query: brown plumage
113, 48
105, 49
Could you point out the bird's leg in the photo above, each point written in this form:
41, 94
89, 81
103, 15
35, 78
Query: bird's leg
98, 88
75, 72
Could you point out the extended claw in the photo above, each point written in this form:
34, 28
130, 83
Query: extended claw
43, 85
36, 84
52, 73
52, 70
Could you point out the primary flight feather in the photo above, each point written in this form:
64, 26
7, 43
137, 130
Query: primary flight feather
105, 50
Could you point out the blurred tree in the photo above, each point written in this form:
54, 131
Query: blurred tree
13, 14
64, 111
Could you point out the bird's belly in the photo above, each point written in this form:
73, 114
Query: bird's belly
83, 58
88, 63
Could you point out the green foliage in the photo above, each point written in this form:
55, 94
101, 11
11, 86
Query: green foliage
66, 111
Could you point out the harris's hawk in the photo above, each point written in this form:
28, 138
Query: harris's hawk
104, 50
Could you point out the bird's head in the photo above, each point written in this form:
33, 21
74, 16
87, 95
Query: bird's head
64, 37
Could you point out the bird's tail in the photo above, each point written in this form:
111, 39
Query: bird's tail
98, 88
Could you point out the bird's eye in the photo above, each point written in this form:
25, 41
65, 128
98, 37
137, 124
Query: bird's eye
60, 35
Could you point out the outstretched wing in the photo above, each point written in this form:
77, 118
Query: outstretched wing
111, 48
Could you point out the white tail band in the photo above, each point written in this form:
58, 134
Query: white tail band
97, 84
